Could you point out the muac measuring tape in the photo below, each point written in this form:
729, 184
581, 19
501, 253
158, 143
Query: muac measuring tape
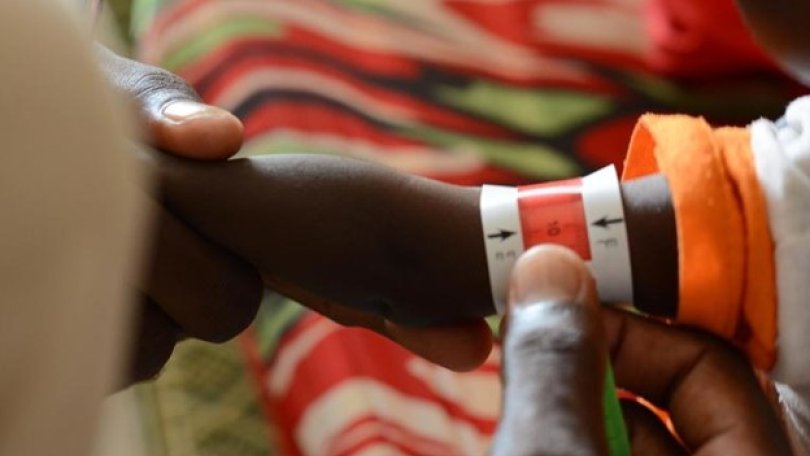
583, 214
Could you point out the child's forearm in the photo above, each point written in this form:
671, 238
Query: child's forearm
362, 235
405, 247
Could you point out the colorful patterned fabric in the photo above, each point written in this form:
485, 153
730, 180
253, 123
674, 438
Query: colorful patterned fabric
468, 91
340, 391
203, 404
464, 91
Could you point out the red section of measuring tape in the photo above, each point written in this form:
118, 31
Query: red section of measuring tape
553, 213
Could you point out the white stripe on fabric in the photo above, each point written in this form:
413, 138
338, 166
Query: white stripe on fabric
354, 399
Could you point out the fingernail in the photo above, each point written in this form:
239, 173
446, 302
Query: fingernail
549, 273
185, 110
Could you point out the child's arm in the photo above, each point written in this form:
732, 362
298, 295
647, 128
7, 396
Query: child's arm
407, 248
653, 242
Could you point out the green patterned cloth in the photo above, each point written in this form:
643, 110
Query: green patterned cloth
203, 404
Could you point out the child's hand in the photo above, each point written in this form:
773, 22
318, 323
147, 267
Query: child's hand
191, 286
555, 348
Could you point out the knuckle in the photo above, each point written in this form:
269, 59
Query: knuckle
156, 87
150, 85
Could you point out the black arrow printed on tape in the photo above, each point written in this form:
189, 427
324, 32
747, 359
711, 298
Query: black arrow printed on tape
503, 234
605, 222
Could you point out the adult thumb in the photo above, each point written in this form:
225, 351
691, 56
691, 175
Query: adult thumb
171, 114
554, 359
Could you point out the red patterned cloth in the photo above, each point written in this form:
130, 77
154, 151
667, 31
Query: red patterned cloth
339, 391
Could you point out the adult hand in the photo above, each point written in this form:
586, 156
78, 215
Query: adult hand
555, 348
157, 93
198, 289
171, 116
191, 286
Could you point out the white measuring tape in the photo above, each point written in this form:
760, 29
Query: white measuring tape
584, 214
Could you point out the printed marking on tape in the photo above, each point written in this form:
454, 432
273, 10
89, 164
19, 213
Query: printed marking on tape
503, 238
607, 233
585, 215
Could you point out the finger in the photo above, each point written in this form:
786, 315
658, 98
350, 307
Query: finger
460, 347
648, 435
152, 342
175, 120
709, 389
209, 293
554, 359
193, 130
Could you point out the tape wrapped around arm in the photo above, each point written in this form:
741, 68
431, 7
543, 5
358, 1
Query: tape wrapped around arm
585, 215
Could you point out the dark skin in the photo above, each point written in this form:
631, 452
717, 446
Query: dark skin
189, 271
554, 340
191, 287
370, 247
554, 344
346, 239
653, 242
353, 232
363, 235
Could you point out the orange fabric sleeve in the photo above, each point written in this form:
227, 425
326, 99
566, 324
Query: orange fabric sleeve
725, 252
757, 330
